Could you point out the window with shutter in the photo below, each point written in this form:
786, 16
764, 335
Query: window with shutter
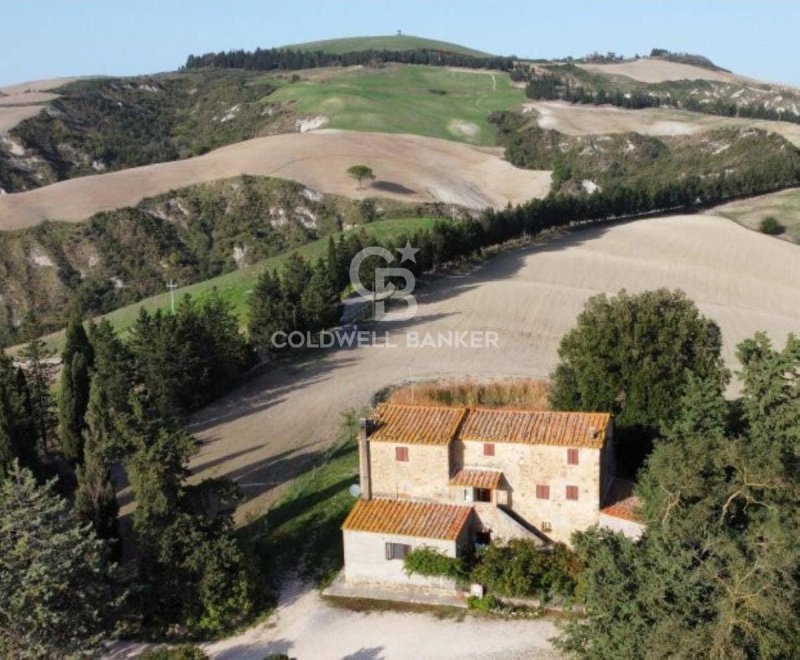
572, 492
488, 449
572, 456
397, 550
401, 454
542, 492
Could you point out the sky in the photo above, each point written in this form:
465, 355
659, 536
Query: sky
49, 38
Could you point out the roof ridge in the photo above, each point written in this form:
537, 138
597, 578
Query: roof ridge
420, 405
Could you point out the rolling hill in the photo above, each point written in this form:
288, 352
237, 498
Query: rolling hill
387, 42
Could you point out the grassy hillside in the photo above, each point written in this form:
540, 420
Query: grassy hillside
235, 286
191, 234
784, 206
388, 42
432, 101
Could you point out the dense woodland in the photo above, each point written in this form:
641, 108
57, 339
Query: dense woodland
270, 59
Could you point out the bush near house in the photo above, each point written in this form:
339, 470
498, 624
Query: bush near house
518, 568
430, 562
521, 568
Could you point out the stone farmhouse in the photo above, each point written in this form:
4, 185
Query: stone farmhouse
451, 477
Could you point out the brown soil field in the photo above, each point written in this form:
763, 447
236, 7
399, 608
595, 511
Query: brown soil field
407, 167
36, 85
655, 71
575, 119
24, 100
12, 115
269, 430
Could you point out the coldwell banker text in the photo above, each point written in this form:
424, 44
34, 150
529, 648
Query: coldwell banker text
371, 339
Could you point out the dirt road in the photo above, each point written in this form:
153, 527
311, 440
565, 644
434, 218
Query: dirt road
308, 628
407, 167
268, 430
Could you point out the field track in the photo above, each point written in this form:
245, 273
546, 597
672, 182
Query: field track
407, 167
274, 427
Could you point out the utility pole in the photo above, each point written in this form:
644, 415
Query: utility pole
172, 286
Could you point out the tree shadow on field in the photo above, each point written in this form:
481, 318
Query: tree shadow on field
265, 390
392, 187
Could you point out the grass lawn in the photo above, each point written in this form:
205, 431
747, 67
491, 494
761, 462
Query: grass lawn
301, 532
784, 206
421, 100
387, 42
235, 287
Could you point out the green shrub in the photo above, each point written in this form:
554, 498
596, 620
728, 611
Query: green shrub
523, 569
484, 604
431, 562
771, 226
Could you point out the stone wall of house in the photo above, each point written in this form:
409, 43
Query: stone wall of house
525, 466
424, 476
365, 560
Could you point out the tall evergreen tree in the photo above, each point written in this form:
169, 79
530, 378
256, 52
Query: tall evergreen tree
320, 301
268, 310
76, 360
39, 374
96, 496
190, 562
295, 277
113, 365
17, 432
57, 587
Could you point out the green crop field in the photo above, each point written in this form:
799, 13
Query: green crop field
388, 42
235, 286
421, 100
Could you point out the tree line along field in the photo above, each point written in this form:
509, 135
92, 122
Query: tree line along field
432, 101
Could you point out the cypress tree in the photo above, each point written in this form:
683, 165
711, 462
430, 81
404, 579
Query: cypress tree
77, 360
38, 375
96, 498
267, 310
320, 301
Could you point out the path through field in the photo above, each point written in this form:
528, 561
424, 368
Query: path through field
272, 428
407, 167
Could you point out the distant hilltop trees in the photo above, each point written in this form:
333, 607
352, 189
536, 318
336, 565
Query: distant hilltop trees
279, 58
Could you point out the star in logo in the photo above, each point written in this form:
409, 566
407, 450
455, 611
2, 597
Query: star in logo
407, 253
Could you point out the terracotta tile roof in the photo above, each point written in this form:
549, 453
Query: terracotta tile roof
429, 520
427, 425
537, 427
477, 478
621, 502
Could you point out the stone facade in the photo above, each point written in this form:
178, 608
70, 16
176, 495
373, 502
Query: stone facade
425, 475
423, 471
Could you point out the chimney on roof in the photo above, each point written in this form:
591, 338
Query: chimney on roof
593, 432
363, 459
